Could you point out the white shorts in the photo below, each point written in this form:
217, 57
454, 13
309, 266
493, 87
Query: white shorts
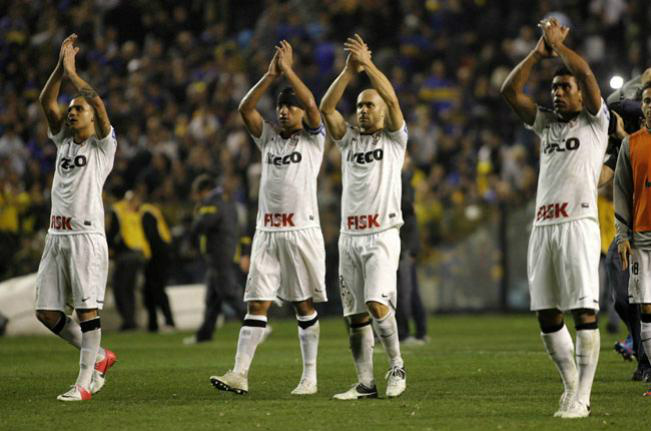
289, 265
639, 282
367, 269
563, 265
73, 272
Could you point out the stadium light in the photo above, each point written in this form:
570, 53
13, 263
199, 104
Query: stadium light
616, 82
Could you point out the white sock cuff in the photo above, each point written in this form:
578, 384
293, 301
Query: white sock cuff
308, 317
389, 315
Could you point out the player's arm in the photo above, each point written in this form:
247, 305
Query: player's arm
623, 199
50, 93
334, 121
285, 61
86, 91
360, 52
513, 87
252, 118
554, 35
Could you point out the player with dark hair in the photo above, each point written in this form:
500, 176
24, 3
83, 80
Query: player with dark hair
288, 252
632, 196
369, 245
564, 247
74, 265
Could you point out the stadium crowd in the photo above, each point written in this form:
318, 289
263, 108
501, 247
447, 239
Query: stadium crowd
172, 75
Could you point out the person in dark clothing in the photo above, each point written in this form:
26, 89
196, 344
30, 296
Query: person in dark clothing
158, 237
410, 305
130, 251
216, 229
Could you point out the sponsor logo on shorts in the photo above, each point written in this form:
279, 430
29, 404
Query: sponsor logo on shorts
279, 219
552, 211
60, 222
362, 222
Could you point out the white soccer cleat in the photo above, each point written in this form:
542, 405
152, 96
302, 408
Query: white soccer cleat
76, 393
564, 403
576, 410
356, 392
305, 387
396, 381
232, 382
100, 371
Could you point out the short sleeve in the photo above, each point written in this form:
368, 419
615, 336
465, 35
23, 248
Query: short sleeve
401, 135
265, 136
316, 135
543, 118
602, 118
58, 138
109, 142
343, 142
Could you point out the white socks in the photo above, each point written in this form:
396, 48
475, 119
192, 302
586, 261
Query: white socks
91, 334
387, 329
560, 348
308, 336
69, 330
251, 335
588, 344
361, 344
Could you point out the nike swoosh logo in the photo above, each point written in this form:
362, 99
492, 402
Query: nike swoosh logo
85, 299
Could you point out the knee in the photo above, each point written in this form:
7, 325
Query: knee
584, 316
645, 313
550, 320
377, 309
304, 308
258, 307
358, 320
48, 318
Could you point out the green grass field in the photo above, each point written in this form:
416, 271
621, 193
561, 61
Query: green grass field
477, 373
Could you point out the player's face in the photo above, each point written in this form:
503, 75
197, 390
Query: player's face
80, 115
290, 117
370, 111
566, 95
646, 106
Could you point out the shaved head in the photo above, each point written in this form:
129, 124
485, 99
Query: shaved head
371, 111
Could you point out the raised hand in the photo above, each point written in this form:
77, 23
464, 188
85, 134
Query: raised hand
358, 50
69, 53
274, 70
553, 32
285, 56
353, 65
70, 40
543, 49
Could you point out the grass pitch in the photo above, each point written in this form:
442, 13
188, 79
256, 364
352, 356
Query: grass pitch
477, 373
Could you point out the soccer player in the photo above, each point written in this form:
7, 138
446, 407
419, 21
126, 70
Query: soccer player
632, 195
74, 264
288, 252
564, 247
369, 245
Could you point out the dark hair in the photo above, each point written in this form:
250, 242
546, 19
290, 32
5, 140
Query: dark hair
287, 96
562, 71
645, 87
203, 182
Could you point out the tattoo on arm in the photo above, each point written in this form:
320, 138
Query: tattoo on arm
88, 93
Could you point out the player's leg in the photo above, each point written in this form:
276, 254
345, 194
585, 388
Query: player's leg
543, 290
640, 290
308, 336
381, 257
261, 287
360, 332
212, 308
302, 260
580, 244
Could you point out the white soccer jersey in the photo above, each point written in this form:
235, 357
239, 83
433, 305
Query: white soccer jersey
372, 187
290, 167
81, 171
571, 156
